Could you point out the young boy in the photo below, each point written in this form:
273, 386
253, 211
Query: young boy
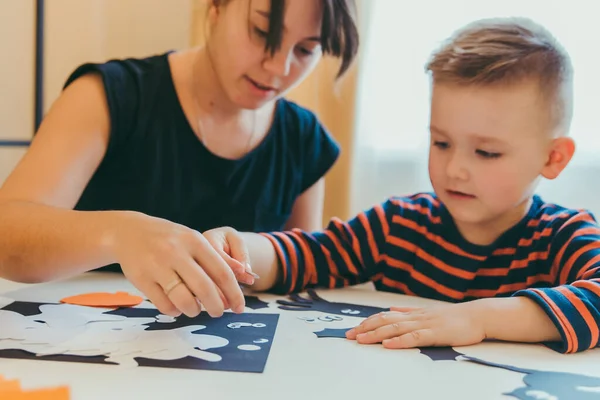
515, 267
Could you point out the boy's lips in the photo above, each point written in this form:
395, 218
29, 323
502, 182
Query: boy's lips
459, 194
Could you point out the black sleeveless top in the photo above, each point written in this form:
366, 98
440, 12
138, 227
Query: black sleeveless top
155, 163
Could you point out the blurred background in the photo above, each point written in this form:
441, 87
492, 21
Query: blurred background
378, 111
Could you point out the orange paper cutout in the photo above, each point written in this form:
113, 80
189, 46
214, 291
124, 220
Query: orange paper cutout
7, 386
101, 299
11, 390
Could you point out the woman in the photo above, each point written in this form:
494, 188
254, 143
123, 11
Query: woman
138, 156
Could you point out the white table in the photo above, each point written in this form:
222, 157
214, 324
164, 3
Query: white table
300, 365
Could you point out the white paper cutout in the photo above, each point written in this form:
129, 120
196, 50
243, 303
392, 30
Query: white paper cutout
71, 316
541, 395
15, 326
248, 347
165, 319
238, 325
329, 318
261, 341
258, 325
350, 311
123, 346
82, 331
173, 344
308, 319
595, 389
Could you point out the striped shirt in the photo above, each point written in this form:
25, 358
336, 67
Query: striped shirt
410, 245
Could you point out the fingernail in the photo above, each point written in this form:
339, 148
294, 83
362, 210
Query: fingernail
239, 309
351, 331
250, 272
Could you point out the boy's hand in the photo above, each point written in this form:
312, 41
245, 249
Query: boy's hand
231, 246
401, 328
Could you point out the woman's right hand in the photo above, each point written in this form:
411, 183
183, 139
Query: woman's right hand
175, 266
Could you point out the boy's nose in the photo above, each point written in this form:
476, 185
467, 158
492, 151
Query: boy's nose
456, 169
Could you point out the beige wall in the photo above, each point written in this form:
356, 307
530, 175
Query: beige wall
77, 31
98, 30
17, 22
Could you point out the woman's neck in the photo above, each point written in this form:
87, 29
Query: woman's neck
208, 92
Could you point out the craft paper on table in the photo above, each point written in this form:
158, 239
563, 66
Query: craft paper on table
332, 333
11, 390
440, 353
102, 299
132, 337
255, 303
434, 353
317, 303
549, 384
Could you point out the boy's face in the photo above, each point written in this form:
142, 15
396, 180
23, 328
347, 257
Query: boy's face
488, 148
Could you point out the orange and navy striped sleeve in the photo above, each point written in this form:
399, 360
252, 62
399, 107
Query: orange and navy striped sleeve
573, 303
343, 254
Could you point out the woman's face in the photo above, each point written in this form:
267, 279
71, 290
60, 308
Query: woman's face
248, 74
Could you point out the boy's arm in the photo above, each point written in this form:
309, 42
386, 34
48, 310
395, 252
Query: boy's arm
345, 253
573, 307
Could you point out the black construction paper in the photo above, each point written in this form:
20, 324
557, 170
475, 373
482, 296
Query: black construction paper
548, 384
233, 359
317, 303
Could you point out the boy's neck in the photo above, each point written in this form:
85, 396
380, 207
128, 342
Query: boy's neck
486, 233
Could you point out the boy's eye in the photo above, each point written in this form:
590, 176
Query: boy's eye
487, 154
440, 144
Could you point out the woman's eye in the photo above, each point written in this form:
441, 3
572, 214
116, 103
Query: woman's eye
260, 33
305, 51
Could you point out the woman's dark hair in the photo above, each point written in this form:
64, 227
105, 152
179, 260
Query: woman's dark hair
339, 32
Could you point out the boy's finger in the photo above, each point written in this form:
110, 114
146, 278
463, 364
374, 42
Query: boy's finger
416, 338
387, 332
403, 309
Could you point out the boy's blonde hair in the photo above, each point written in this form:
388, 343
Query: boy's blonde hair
505, 51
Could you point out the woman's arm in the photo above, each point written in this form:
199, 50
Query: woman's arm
307, 213
42, 238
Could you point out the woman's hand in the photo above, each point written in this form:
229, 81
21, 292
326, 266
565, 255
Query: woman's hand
176, 267
231, 247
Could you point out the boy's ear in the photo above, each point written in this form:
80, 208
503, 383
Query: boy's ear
561, 152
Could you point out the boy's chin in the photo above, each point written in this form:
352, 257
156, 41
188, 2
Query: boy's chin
467, 214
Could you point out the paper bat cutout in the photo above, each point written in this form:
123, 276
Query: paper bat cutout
434, 353
333, 333
106, 300
548, 385
440, 353
317, 303
255, 303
